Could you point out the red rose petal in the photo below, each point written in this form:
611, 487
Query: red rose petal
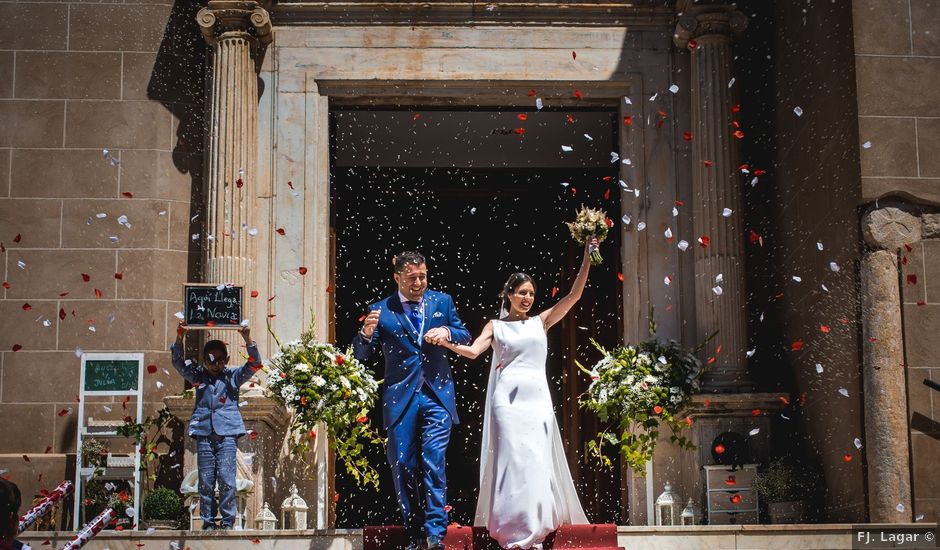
254, 293
86, 277
48, 450
692, 44
736, 108
570, 119
707, 163
5, 285
554, 291
17, 347
736, 499
577, 94
719, 449
628, 121
847, 458
152, 369
796, 345
908, 247
704, 240
17, 238
252, 435
290, 184
97, 293
687, 136
912, 279
688, 421
759, 172
824, 329
657, 409
26, 458
280, 231
755, 412
303, 270
329, 288
731, 481
127, 195
607, 197
574, 55
532, 92
239, 183
522, 116
620, 276
416, 116
738, 134
27, 307
63, 412
61, 314
519, 131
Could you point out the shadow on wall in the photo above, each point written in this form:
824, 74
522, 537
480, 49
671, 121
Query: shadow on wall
179, 82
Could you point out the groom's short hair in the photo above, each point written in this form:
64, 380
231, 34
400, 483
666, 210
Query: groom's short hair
402, 259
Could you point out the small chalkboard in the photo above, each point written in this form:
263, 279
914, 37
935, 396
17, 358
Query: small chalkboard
212, 306
111, 375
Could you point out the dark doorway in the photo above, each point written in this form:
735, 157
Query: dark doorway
478, 211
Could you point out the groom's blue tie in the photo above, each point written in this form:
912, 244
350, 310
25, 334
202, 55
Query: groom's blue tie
414, 315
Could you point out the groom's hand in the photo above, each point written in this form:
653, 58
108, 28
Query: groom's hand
372, 320
437, 336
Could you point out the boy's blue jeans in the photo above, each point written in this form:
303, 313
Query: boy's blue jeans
216, 463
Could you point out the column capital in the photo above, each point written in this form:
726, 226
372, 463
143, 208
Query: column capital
231, 18
890, 228
709, 20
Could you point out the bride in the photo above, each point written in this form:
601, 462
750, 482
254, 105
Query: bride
526, 491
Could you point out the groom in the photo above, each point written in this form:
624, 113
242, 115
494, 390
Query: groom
418, 403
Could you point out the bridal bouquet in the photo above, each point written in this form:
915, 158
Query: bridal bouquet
590, 223
319, 383
637, 389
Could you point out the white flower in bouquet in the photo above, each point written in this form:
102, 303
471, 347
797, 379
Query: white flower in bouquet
589, 223
302, 367
318, 380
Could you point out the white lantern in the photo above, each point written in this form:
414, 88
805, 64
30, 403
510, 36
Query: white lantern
666, 507
293, 511
691, 515
266, 520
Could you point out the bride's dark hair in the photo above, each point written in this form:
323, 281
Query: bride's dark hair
511, 285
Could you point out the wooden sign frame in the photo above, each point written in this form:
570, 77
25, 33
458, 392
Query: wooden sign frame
222, 326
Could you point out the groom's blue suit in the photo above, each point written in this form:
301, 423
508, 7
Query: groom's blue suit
418, 403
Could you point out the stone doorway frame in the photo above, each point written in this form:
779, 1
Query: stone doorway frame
294, 146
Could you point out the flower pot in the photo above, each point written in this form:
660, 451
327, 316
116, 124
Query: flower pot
785, 512
162, 524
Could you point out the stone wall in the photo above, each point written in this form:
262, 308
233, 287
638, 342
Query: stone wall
896, 65
78, 78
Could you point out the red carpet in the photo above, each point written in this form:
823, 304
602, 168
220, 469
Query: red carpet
459, 537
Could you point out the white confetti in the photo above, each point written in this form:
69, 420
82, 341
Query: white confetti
858, 443
717, 290
675, 211
242, 403
819, 245
824, 287
866, 145
900, 507
566, 184
114, 161
122, 220
473, 210
751, 352
753, 432
628, 162
159, 385
726, 212
754, 181
195, 236
130, 511
668, 232
683, 245
253, 231
113, 238
919, 517
538, 103
654, 96
798, 111
719, 278
667, 279
640, 226
588, 137
21, 264
151, 530
105, 153
92, 328
843, 392
625, 219
107, 409
623, 185
220, 286
819, 368
614, 157
834, 267
101, 215
627, 100
179, 315
662, 359
731, 82
274, 483
636, 192
566, 148
674, 89
46, 323
78, 352
797, 278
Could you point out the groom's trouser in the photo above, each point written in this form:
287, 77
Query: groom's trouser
417, 448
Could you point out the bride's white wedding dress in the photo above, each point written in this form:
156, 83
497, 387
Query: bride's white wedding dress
526, 491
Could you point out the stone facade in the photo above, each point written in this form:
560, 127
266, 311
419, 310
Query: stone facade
77, 78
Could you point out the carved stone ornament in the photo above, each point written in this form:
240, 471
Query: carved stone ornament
890, 228
709, 20
222, 19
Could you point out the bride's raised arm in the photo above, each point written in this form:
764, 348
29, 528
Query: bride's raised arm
481, 344
558, 311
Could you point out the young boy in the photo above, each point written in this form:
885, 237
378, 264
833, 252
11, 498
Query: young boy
9, 516
216, 423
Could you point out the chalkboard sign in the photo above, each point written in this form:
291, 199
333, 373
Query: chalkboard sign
111, 375
208, 306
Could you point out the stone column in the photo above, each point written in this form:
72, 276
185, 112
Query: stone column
883, 376
707, 32
237, 31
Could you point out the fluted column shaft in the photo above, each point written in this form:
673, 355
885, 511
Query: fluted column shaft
237, 32
720, 294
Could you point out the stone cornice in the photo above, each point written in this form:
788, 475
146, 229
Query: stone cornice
467, 13
244, 19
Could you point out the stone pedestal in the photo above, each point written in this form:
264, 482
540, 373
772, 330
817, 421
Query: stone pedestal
258, 457
883, 375
719, 255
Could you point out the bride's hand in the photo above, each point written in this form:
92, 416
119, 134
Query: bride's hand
592, 244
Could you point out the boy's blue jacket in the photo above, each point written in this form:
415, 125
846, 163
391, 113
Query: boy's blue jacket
216, 409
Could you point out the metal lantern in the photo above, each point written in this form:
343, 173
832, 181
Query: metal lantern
293, 511
666, 507
266, 520
691, 515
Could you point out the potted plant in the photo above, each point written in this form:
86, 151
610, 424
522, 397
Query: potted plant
162, 508
784, 486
